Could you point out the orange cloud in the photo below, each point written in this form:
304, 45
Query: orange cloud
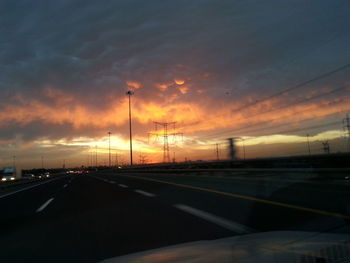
192, 117
133, 84
179, 81
162, 87
183, 90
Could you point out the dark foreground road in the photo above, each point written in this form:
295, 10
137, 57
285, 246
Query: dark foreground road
89, 218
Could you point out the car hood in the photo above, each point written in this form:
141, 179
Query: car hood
278, 246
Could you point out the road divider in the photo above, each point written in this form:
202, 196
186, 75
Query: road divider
123, 185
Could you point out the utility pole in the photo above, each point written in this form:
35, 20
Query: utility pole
346, 123
96, 156
116, 159
308, 143
217, 151
174, 160
109, 148
129, 93
243, 148
165, 135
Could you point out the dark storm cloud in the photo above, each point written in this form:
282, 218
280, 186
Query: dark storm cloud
89, 49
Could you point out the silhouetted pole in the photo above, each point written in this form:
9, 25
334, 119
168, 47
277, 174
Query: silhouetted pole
96, 155
109, 148
231, 147
346, 122
243, 148
308, 143
217, 152
129, 93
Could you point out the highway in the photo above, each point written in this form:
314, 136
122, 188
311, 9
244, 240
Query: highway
88, 218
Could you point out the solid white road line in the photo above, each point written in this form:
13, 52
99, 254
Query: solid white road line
145, 193
233, 226
41, 208
29, 187
123, 185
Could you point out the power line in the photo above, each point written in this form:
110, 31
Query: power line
289, 105
307, 128
324, 75
294, 130
346, 122
300, 101
271, 120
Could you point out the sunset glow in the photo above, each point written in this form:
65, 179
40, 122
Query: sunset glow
216, 81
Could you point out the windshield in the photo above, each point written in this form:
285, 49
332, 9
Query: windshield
132, 125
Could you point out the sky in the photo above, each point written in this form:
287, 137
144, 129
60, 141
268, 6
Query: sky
265, 72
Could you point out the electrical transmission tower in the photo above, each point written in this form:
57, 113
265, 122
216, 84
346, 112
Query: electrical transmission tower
142, 158
326, 147
346, 123
165, 134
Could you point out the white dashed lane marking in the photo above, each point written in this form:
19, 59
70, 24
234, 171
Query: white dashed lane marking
233, 226
41, 208
145, 193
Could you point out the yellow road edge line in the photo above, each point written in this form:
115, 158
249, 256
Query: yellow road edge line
245, 197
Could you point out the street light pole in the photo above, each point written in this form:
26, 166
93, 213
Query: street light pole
129, 93
109, 147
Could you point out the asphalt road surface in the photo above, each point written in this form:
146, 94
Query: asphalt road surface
88, 218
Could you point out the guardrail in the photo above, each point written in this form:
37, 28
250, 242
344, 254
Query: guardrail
317, 173
233, 170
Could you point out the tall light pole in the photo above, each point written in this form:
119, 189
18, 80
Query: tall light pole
109, 148
129, 93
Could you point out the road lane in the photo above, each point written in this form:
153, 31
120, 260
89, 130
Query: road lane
312, 194
93, 219
19, 205
104, 215
264, 216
